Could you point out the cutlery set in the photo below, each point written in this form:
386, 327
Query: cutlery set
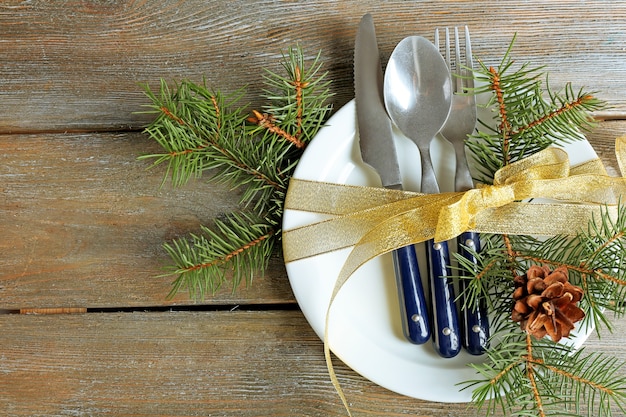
420, 97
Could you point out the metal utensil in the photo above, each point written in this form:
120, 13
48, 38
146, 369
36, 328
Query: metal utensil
378, 150
460, 124
418, 96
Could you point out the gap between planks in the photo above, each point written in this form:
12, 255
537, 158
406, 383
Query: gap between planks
84, 310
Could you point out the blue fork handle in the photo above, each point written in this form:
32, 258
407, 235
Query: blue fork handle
446, 331
474, 320
414, 311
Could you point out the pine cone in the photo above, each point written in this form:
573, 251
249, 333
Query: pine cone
545, 302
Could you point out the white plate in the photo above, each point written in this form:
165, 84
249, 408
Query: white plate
365, 328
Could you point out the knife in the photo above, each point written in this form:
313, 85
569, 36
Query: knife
378, 150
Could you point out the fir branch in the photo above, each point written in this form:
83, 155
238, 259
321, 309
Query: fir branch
206, 132
194, 126
527, 120
297, 100
525, 376
595, 259
240, 245
576, 383
521, 372
558, 380
484, 278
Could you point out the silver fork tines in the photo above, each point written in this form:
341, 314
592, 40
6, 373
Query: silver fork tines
462, 119
460, 124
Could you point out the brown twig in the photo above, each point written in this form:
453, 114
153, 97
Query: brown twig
566, 107
503, 372
172, 116
484, 271
299, 86
571, 376
267, 121
505, 126
213, 143
582, 269
59, 310
217, 112
530, 373
229, 256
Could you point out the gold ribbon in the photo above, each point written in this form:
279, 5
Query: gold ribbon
374, 221
403, 217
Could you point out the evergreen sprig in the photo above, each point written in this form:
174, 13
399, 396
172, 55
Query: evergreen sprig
522, 375
528, 115
529, 377
206, 132
240, 241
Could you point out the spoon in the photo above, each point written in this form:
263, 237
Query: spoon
418, 96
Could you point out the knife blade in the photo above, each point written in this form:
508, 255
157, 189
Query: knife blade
378, 150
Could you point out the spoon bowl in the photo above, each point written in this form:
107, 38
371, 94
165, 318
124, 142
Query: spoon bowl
418, 96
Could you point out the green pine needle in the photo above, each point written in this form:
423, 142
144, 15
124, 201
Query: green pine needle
564, 382
524, 376
237, 249
528, 115
207, 133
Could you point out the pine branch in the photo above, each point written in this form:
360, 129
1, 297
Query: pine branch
527, 120
558, 380
528, 377
484, 278
240, 246
525, 376
205, 132
521, 373
596, 261
592, 379
297, 101
194, 126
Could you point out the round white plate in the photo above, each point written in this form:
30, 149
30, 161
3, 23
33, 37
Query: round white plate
365, 328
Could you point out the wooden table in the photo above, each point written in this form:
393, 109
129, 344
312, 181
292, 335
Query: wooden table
83, 220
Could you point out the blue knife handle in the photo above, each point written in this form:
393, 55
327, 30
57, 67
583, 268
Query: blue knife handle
414, 310
474, 320
446, 331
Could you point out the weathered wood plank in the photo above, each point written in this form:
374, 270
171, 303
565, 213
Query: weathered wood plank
83, 222
77, 65
190, 364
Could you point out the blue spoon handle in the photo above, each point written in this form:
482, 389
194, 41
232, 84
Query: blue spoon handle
474, 320
413, 305
446, 332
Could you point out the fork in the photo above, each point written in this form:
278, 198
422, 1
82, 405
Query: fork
461, 123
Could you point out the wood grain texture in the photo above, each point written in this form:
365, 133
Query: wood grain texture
76, 65
191, 364
83, 223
